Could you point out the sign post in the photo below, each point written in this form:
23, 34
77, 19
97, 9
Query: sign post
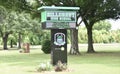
58, 20
58, 46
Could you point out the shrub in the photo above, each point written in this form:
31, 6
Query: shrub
46, 46
44, 67
60, 66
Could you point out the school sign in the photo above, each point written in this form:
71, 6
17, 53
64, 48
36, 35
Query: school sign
58, 20
58, 17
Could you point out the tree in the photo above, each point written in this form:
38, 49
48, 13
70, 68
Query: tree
91, 11
15, 5
19, 6
27, 6
24, 24
14, 22
6, 29
3, 14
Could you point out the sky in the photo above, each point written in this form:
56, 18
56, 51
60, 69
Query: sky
115, 24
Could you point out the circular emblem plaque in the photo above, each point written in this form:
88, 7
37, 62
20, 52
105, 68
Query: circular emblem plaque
59, 39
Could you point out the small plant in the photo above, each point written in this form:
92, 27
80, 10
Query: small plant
44, 67
60, 66
20, 50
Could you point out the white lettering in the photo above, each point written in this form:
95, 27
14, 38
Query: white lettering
61, 15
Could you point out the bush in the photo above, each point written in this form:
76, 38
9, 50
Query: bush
46, 46
44, 67
60, 66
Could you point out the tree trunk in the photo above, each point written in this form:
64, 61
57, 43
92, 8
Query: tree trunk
74, 50
90, 40
19, 40
5, 38
11, 43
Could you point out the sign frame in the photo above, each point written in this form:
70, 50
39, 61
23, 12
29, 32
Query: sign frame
52, 15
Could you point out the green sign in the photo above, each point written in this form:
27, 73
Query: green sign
61, 16
58, 17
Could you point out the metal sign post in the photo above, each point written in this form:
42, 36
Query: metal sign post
58, 19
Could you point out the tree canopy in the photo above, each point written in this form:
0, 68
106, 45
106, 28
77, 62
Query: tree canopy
91, 11
102, 25
17, 23
2, 14
15, 5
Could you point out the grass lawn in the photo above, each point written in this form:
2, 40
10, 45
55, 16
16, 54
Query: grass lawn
105, 61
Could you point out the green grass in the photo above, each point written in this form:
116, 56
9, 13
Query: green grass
105, 61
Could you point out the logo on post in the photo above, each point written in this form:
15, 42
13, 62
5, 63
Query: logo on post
59, 39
